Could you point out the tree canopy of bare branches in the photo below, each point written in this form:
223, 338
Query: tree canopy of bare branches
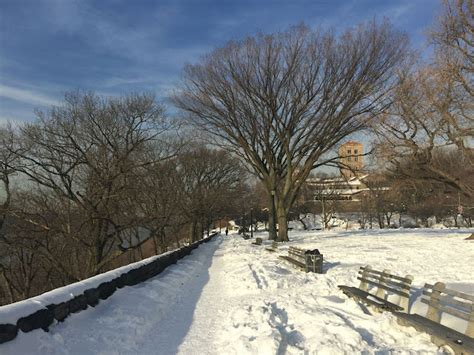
434, 107
81, 158
281, 101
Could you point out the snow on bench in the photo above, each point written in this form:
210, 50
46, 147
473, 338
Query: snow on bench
443, 300
386, 284
310, 261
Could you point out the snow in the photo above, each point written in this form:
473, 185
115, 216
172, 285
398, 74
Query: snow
232, 297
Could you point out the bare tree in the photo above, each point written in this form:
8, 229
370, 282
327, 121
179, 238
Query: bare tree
433, 107
207, 180
8, 165
453, 36
413, 134
281, 101
86, 154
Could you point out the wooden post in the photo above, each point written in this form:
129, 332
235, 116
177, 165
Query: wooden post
380, 291
433, 312
404, 300
470, 323
364, 286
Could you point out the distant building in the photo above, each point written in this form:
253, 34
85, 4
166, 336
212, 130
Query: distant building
339, 188
350, 155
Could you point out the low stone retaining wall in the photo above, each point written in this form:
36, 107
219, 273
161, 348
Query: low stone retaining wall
45, 317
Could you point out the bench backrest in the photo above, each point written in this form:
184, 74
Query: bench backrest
296, 252
443, 300
386, 283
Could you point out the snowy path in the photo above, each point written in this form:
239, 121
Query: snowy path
230, 297
196, 322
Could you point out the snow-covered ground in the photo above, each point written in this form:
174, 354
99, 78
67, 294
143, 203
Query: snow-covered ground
231, 297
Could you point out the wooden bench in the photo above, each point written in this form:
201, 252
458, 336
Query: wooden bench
305, 260
385, 284
273, 248
442, 300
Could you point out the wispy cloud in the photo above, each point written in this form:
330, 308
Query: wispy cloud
26, 96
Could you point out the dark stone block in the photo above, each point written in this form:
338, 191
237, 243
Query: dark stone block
60, 311
174, 258
181, 253
77, 304
40, 319
131, 278
166, 260
7, 332
148, 271
106, 289
160, 266
92, 296
121, 280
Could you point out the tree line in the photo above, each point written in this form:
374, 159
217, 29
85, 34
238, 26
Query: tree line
100, 182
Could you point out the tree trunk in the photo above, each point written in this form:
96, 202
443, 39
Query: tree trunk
192, 231
323, 214
272, 235
380, 220
282, 216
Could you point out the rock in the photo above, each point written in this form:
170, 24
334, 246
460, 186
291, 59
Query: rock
106, 289
77, 304
7, 332
40, 319
92, 296
60, 311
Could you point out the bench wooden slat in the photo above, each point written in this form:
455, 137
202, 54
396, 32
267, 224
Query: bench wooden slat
455, 293
452, 337
374, 300
296, 251
406, 286
379, 273
297, 254
399, 284
294, 261
391, 289
449, 300
447, 309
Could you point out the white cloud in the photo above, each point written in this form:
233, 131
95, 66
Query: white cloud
26, 96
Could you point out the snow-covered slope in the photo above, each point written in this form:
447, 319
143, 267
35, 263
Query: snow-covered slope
231, 297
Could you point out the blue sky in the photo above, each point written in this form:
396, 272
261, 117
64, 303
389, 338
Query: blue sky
48, 47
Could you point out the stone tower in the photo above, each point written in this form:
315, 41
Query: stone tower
350, 154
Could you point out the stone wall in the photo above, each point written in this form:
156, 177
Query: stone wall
52, 313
